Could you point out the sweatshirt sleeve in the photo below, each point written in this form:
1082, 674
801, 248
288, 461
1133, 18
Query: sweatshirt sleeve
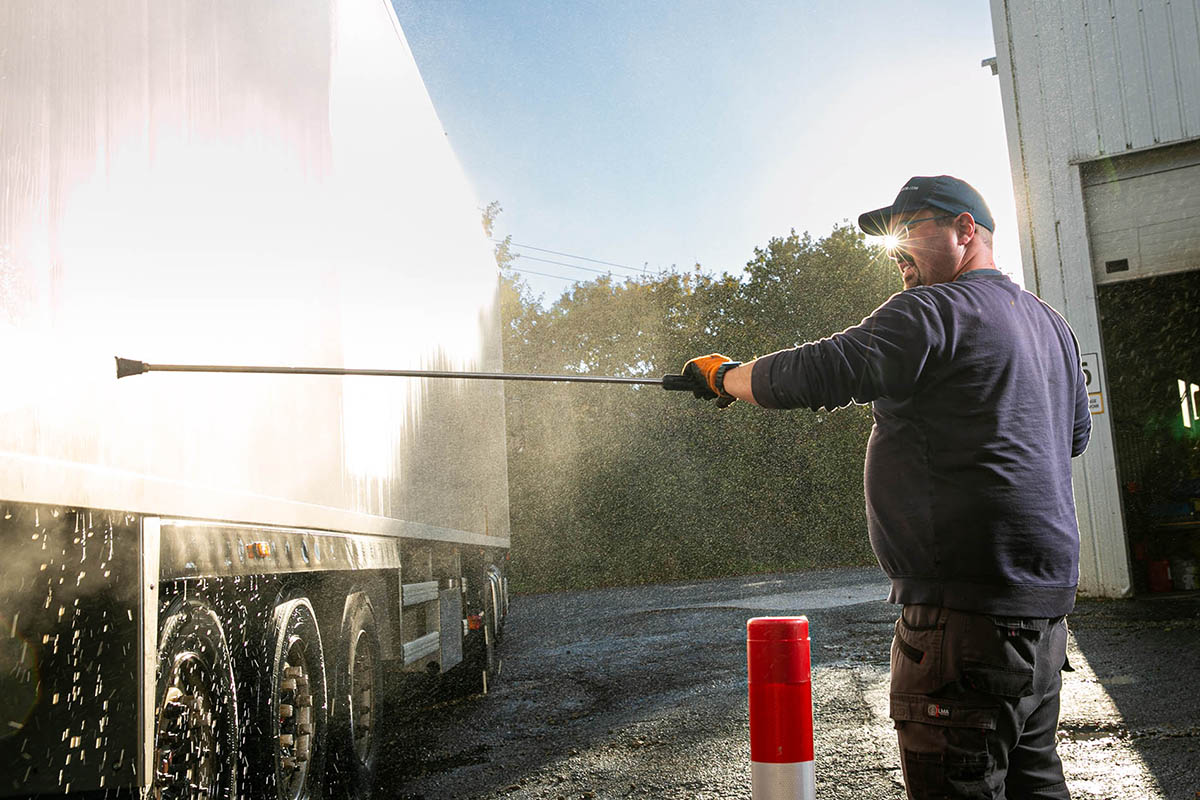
883, 356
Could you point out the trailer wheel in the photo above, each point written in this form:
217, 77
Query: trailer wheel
195, 708
359, 694
297, 704
499, 596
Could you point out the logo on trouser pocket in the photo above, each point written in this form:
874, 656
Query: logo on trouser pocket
937, 712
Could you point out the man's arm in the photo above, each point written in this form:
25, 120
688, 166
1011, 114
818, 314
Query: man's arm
883, 356
738, 384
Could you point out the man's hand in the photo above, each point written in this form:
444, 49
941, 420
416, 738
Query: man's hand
706, 374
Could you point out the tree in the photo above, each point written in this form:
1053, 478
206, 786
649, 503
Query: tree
612, 484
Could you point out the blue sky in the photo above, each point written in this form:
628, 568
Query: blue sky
675, 132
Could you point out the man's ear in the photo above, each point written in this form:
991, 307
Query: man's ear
964, 228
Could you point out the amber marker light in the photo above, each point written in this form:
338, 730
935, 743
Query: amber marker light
258, 549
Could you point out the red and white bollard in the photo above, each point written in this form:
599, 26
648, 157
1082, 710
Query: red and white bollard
781, 728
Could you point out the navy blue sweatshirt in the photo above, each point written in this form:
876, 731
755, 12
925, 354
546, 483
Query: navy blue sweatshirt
979, 406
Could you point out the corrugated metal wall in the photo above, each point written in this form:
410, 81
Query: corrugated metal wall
1082, 80
1116, 75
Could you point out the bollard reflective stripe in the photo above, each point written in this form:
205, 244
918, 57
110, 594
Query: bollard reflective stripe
791, 781
780, 687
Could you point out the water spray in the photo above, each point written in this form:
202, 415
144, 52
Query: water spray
128, 366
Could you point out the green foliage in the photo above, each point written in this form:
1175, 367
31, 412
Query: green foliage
616, 485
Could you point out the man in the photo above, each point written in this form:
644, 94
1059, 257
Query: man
979, 406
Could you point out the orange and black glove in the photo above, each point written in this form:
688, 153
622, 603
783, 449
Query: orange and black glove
707, 377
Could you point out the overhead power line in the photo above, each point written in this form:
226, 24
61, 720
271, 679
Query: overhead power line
562, 264
546, 275
571, 255
573, 266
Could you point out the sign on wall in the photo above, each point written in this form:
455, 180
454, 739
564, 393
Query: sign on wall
1091, 377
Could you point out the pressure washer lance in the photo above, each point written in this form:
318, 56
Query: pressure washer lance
128, 366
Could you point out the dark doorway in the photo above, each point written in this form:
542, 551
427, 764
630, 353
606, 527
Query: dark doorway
1151, 334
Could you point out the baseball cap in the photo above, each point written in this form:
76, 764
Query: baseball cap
941, 191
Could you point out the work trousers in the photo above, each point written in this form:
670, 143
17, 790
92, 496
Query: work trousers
975, 701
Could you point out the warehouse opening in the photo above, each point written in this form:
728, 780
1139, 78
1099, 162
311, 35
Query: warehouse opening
1143, 214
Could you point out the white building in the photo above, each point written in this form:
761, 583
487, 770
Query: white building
1102, 110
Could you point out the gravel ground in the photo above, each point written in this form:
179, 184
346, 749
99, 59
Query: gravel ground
641, 692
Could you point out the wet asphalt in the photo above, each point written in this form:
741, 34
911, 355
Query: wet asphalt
641, 692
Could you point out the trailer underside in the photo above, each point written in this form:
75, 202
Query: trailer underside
143, 651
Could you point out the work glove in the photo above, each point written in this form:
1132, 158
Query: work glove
707, 376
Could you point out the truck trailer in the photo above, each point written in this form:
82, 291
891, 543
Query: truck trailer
207, 582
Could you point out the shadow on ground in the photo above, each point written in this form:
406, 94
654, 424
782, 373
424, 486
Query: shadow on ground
1138, 689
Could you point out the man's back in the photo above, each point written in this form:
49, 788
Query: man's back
968, 476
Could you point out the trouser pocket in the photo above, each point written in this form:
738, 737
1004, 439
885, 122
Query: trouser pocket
942, 712
917, 663
944, 746
1010, 681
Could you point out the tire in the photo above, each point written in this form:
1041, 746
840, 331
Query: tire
499, 598
289, 733
195, 708
358, 697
